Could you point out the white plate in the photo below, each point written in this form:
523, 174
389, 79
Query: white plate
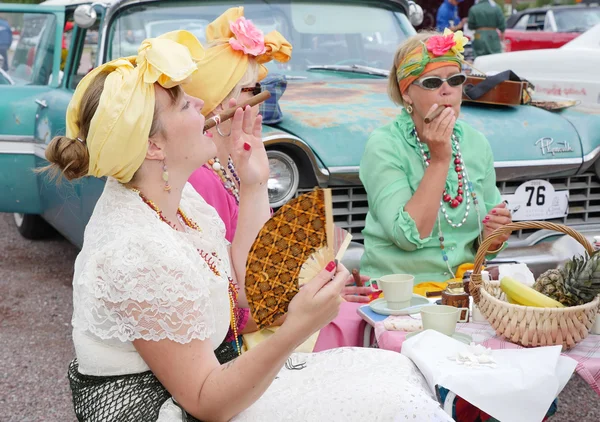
465, 338
379, 306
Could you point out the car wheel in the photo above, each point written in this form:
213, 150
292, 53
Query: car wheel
32, 226
284, 178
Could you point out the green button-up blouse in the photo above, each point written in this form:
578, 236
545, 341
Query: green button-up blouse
391, 170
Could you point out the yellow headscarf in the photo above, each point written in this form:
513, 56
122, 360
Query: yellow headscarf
223, 66
118, 136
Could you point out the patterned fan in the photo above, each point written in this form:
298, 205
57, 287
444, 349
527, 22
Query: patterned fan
292, 247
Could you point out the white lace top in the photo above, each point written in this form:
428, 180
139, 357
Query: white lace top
137, 278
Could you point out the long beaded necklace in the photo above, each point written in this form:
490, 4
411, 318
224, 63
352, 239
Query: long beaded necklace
208, 258
227, 181
465, 186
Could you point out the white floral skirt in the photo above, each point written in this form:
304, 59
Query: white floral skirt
347, 384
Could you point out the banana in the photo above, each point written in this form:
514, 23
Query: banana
517, 292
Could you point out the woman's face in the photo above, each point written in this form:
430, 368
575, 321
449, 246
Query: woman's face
423, 99
185, 145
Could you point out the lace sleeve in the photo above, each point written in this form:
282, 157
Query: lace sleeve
140, 289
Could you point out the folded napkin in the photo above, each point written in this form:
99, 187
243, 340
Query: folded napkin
519, 387
402, 324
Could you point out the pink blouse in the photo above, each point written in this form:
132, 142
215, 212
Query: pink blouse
209, 185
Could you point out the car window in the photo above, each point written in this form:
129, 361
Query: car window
27, 46
536, 21
521, 24
86, 60
322, 33
576, 20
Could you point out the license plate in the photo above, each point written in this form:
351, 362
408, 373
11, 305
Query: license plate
537, 200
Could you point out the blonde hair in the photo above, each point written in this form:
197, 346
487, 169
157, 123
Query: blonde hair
250, 77
405, 48
70, 157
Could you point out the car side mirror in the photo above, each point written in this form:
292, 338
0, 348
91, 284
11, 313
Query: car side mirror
85, 16
415, 13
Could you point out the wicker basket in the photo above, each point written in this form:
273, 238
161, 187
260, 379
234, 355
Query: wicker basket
525, 325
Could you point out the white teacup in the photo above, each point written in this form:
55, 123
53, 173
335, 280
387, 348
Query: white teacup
397, 290
442, 318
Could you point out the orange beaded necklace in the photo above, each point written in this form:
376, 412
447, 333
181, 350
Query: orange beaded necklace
208, 258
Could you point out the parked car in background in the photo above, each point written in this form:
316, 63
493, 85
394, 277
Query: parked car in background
570, 71
4, 78
336, 96
548, 27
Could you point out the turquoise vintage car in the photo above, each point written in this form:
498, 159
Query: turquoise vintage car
546, 162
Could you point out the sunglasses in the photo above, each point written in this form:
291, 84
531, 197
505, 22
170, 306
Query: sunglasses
255, 90
434, 82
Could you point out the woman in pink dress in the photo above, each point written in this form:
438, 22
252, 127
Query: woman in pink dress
226, 78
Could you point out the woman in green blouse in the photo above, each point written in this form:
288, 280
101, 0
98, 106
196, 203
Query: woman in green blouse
431, 187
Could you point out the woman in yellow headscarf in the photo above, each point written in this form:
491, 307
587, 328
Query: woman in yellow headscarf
231, 70
154, 284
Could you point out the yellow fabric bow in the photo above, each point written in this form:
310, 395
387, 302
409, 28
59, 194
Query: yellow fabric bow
223, 66
118, 136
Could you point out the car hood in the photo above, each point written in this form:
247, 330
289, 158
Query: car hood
335, 118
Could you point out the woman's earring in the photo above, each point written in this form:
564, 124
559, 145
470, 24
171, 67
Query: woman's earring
165, 177
409, 109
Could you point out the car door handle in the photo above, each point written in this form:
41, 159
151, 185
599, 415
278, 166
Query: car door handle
41, 103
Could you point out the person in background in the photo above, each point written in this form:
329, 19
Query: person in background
487, 20
6, 39
447, 16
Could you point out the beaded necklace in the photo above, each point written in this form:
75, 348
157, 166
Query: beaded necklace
232, 290
465, 186
227, 181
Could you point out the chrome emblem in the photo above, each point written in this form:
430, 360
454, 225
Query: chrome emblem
549, 146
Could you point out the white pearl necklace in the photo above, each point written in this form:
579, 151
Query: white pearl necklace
469, 192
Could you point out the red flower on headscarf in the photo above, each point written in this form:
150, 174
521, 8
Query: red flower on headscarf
439, 45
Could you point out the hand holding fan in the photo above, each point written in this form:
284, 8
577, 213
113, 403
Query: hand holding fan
293, 246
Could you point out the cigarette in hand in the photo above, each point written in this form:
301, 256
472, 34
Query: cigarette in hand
356, 275
431, 116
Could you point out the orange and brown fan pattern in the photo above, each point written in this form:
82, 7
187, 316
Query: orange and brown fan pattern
283, 245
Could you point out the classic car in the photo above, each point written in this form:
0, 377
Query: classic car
4, 78
336, 96
570, 71
548, 27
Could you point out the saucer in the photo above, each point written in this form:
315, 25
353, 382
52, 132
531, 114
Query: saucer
379, 306
464, 338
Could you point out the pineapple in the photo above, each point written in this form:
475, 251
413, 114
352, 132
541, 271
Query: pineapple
576, 283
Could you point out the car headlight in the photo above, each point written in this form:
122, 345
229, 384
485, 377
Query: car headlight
283, 178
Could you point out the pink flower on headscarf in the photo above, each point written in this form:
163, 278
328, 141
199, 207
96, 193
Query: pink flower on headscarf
248, 38
439, 45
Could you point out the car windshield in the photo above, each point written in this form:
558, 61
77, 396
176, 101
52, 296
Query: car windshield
576, 20
333, 36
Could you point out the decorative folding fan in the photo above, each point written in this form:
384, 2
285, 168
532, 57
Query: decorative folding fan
292, 247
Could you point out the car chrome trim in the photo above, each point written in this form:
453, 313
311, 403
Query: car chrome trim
15, 144
322, 174
546, 162
592, 155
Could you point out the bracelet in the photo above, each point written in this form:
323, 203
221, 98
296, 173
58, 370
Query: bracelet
497, 250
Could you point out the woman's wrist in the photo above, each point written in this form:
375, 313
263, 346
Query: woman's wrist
495, 247
291, 334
